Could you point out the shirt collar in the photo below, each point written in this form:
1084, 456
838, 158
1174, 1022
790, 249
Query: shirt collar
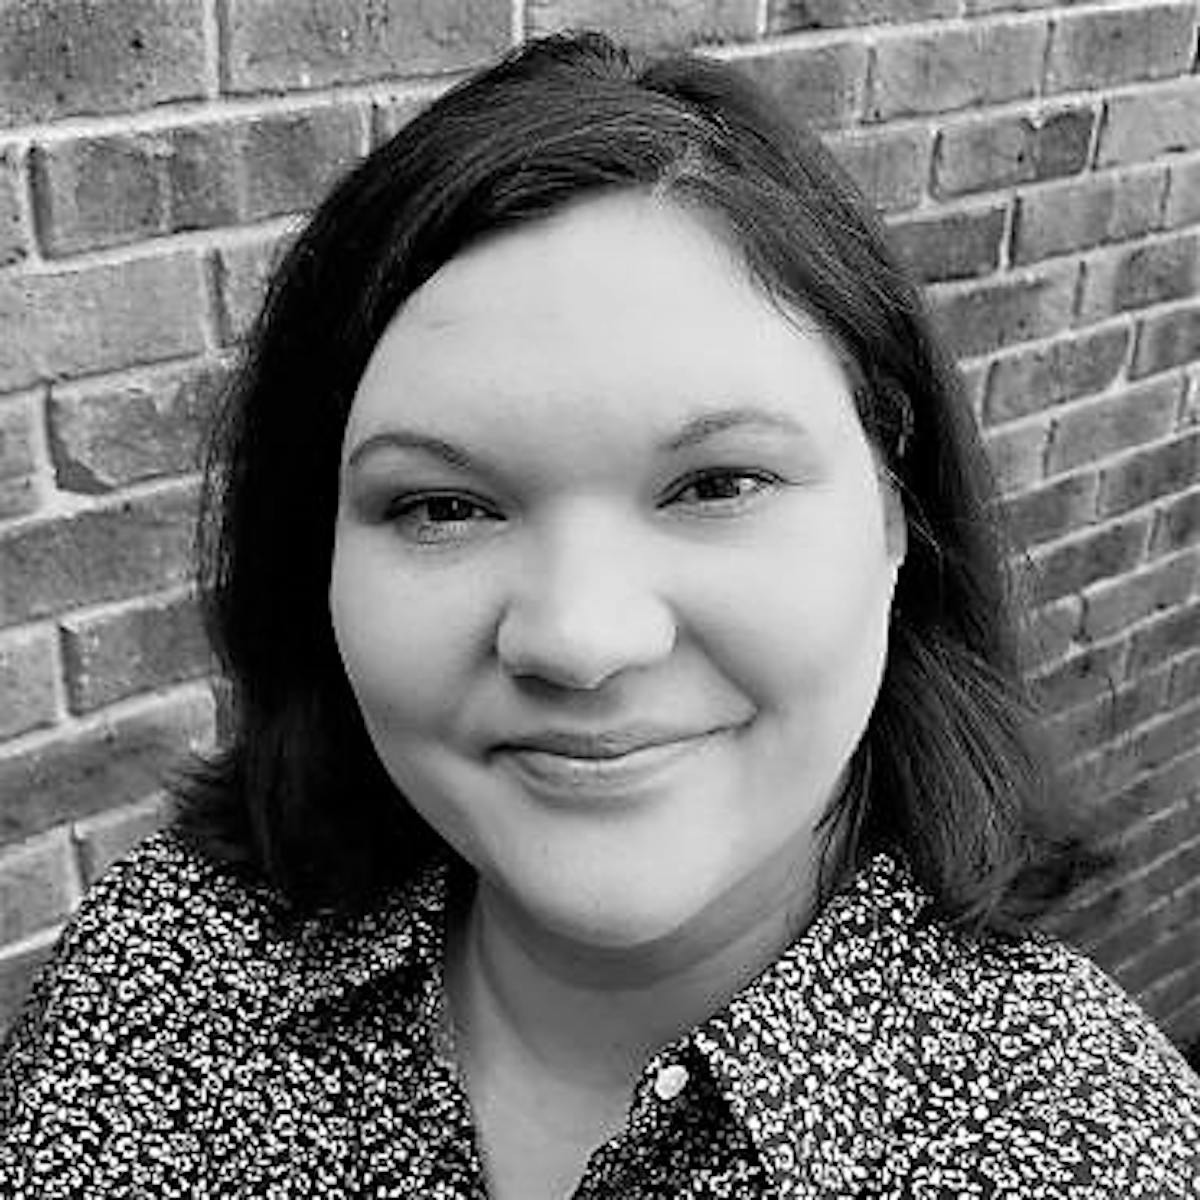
808, 1054
328, 956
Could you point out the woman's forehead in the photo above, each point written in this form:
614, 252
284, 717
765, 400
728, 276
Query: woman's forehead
622, 301
609, 247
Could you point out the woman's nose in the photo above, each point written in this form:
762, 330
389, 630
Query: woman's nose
586, 607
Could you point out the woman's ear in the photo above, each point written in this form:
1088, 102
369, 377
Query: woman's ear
895, 521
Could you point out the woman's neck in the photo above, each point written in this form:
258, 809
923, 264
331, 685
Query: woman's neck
587, 1018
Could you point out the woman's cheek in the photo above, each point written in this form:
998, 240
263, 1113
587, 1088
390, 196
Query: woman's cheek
380, 620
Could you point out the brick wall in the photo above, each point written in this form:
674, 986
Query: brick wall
1040, 163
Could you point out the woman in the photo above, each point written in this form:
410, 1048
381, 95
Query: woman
629, 790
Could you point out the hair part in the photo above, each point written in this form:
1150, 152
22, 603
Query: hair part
948, 775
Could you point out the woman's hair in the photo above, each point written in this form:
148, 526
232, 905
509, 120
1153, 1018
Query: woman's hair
948, 774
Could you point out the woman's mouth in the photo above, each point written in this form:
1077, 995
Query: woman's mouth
583, 777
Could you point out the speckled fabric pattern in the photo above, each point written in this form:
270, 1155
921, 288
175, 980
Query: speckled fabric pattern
191, 1038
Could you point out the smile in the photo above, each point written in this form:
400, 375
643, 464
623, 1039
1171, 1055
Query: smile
580, 777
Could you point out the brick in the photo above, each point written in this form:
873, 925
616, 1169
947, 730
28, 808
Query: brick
1113, 604
1050, 632
955, 69
1051, 510
102, 765
99, 318
1017, 454
1177, 525
1120, 766
200, 175
790, 16
96, 192
37, 885
999, 152
272, 48
1149, 475
1099, 554
1185, 682
1100, 49
16, 439
1166, 340
18, 969
1183, 195
96, 555
1119, 937
1167, 738
1078, 216
1140, 276
962, 245
671, 24
892, 169
242, 272
109, 434
109, 837
1094, 671
1173, 633
142, 646
1150, 123
1154, 792
1134, 703
1166, 997
1097, 428
274, 164
1165, 972
290, 160
823, 86
1153, 885
14, 237
28, 673
1089, 726
986, 317
1145, 974
1147, 927
75, 56
1034, 380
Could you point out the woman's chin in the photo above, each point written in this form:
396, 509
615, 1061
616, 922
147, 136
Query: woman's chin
606, 918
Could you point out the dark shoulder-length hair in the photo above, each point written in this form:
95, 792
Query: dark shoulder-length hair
947, 776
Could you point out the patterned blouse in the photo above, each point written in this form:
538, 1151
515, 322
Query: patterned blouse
192, 1038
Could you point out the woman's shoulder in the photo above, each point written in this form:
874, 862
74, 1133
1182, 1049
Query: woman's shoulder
147, 978
1049, 1062
165, 1016
169, 929
1031, 988
163, 931
166, 881
159, 915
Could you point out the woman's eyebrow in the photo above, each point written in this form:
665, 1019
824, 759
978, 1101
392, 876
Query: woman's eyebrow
408, 439
693, 431
708, 424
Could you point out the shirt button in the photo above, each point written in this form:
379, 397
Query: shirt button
670, 1082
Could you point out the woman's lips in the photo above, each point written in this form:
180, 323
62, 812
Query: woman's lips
575, 777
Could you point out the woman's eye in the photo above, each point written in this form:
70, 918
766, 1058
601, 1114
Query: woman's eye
436, 518
724, 487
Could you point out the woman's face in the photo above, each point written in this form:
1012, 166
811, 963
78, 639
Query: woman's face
612, 573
